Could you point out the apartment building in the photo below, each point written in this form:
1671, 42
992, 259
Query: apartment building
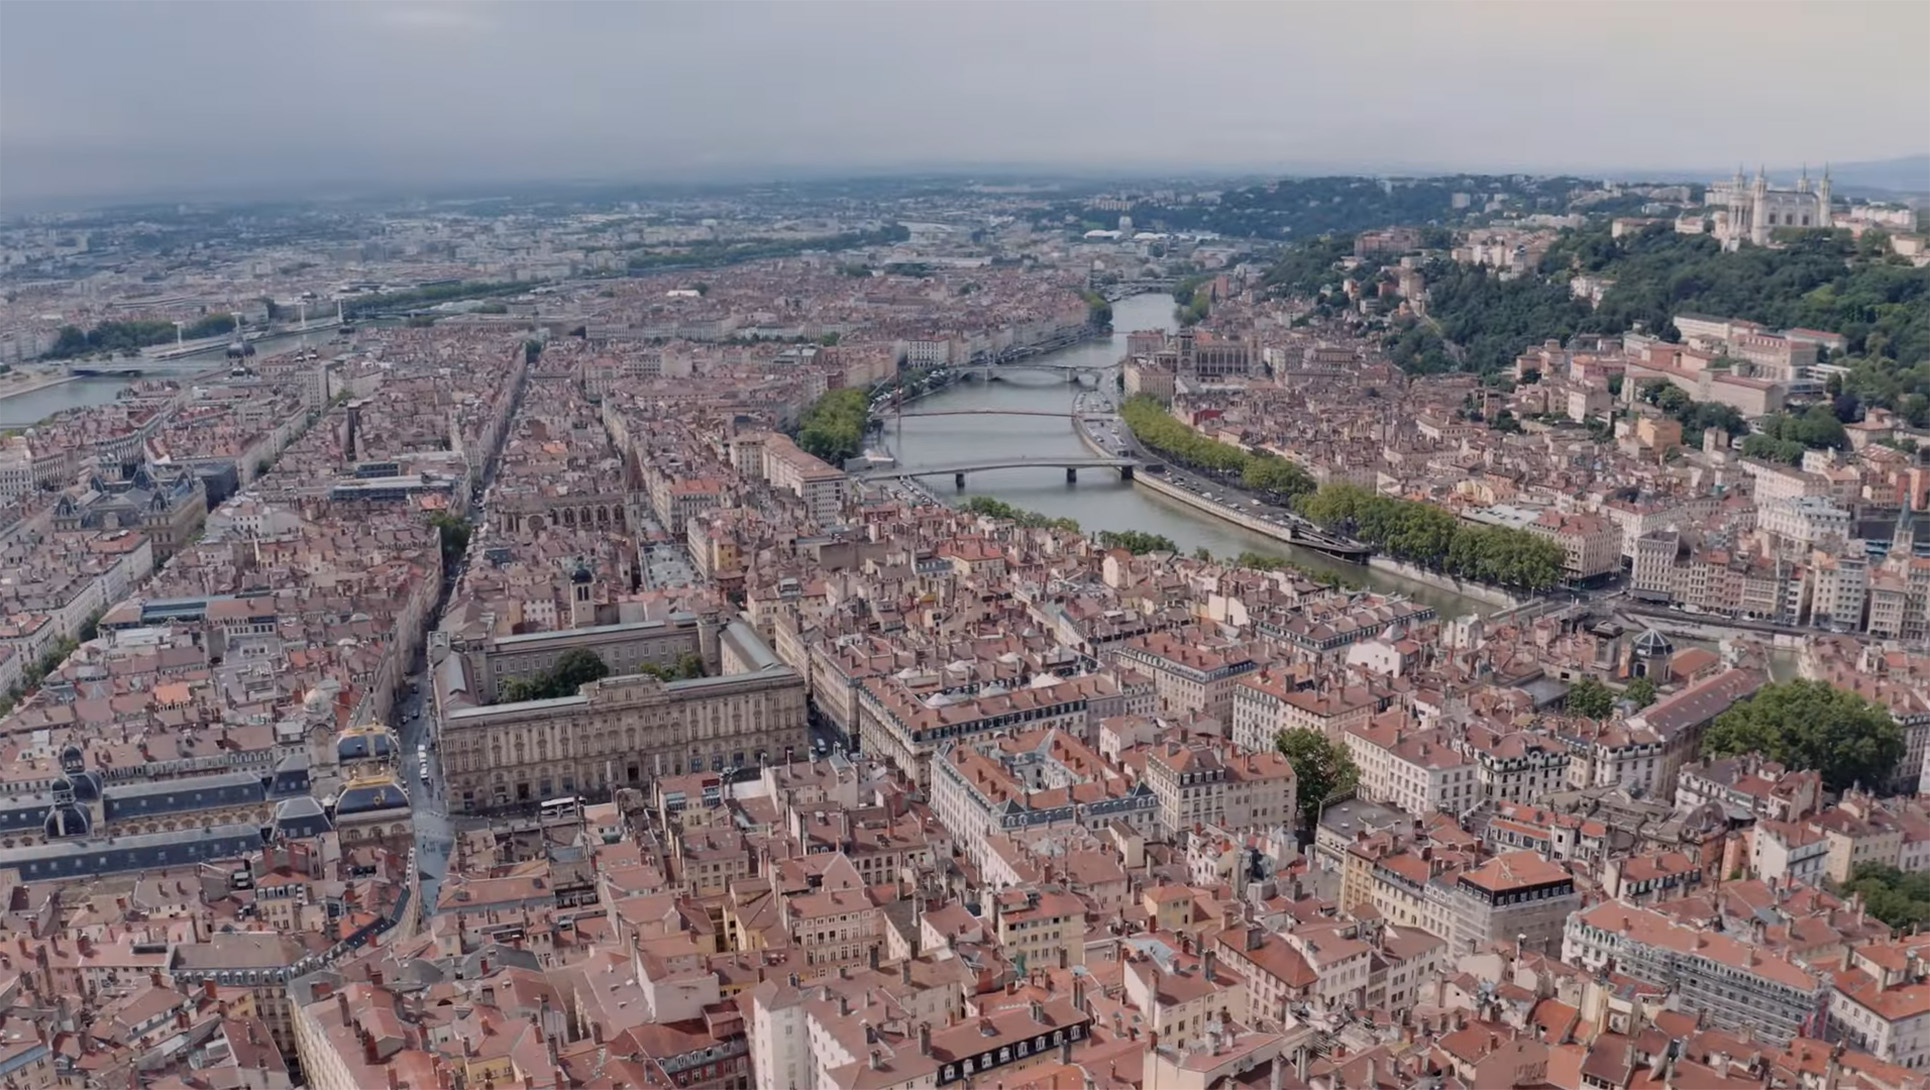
1803, 523
1735, 983
1839, 590
1205, 784
1044, 927
1787, 851
1190, 678
1513, 765
1515, 895
1747, 782
1881, 1002
898, 726
1033, 781
1263, 706
1858, 830
1420, 771
1591, 545
1404, 885
820, 487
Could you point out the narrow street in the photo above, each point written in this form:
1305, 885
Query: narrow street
434, 837
415, 711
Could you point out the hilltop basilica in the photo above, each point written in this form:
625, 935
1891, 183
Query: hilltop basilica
1751, 211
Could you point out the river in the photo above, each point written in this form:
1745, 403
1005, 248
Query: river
26, 409
1100, 500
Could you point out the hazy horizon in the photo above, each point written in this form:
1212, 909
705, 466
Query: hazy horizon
218, 100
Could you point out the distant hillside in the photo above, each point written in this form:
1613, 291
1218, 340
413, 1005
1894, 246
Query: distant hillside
1294, 208
1910, 174
1478, 322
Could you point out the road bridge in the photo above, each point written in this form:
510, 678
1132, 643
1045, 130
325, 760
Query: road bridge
992, 372
1072, 466
1127, 288
985, 412
137, 366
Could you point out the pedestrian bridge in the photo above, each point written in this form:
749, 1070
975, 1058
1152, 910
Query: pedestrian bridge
1124, 466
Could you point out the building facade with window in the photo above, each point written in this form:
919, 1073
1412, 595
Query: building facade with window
618, 732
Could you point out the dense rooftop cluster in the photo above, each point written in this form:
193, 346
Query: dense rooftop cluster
511, 701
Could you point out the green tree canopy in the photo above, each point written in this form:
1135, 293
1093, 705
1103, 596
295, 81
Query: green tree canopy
1322, 769
1137, 542
574, 669
1590, 698
1816, 429
109, 337
1640, 692
688, 665
1098, 310
1158, 429
999, 509
1812, 725
1898, 899
1261, 562
214, 325
1431, 537
834, 426
453, 531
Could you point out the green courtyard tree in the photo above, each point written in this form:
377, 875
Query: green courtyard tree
1896, 898
1640, 692
574, 669
1322, 769
1590, 698
1812, 725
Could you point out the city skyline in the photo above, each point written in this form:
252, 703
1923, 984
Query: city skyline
253, 100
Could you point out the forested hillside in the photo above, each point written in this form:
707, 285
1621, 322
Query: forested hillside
1476, 321
1293, 208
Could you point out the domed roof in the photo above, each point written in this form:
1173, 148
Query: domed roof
1651, 643
371, 741
365, 796
72, 759
66, 820
87, 785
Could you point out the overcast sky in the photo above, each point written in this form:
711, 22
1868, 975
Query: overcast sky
127, 99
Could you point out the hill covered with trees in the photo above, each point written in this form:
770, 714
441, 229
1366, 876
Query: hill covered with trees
1879, 302
1294, 208
1478, 322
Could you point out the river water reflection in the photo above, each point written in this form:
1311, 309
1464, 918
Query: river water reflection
1100, 500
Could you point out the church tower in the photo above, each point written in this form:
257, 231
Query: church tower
582, 596
1903, 541
1822, 201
